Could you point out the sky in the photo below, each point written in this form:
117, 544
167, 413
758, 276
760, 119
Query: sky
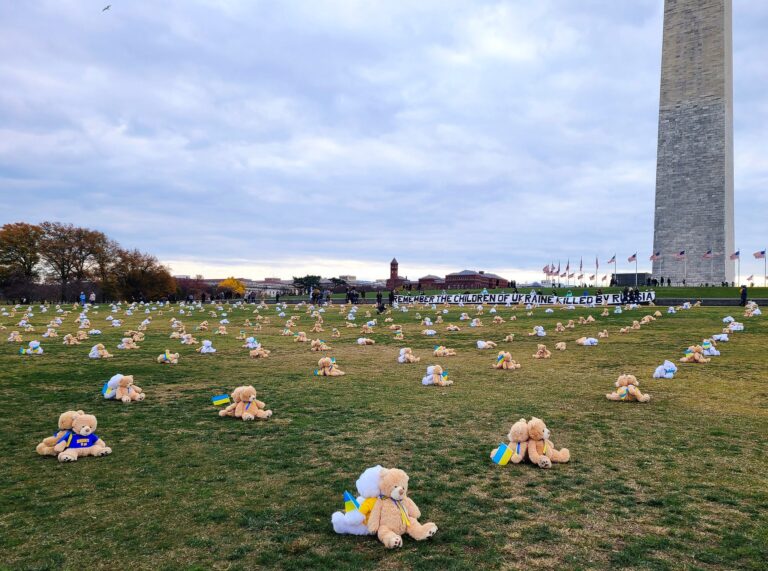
280, 138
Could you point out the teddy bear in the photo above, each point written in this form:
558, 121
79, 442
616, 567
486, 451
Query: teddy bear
505, 361
318, 345
300, 337
589, 319
571, 324
366, 329
245, 405
624, 330
317, 327
203, 326
259, 353
327, 368
206, 347
498, 320
15, 337
518, 443
541, 451
70, 339
81, 336
222, 330
436, 376
586, 341
602, 334
395, 514
560, 346
509, 338
429, 332
542, 352
399, 335
81, 440
188, 339
395, 327
694, 354
605, 313
50, 332
628, 390
538, 331
127, 343
45, 448
452, 327
709, 348
365, 341
98, 351
665, 371
559, 328
476, 323
407, 356
582, 321
354, 520
126, 391
168, 358
635, 325
442, 351
439, 319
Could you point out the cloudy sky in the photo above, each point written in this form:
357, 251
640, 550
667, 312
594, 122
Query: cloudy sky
283, 137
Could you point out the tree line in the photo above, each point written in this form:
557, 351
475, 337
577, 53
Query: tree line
53, 260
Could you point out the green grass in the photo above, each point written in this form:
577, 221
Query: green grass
677, 483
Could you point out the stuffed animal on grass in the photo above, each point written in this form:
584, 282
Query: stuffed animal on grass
33, 348
50, 333
571, 324
517, 448
559, 328
542, 352
188, 339
168, 358
665, 371
128, 343
627, 389
452, 327
81, 440
245, 405
442, 351
694, 354
82, 336
399, 335
365, 341
395, 514
206, 347
560, 346
541, 451
505, 361
407, 356
317, 327
121, 387
509, 338
354, 519
222, 330
70, 339
45, 448
538, 331
98, 351
624, 330
476, 323
366, 329
602, 334
485, 344
586, 341
327, 368
605, 313
709, 348
300, 337
318, 345
335, 333
436, 376
498, 320
259, 353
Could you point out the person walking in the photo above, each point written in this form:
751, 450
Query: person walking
82, 298
743, 296
391, 297
92, 298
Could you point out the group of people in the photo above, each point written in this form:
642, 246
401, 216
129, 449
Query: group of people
90, 299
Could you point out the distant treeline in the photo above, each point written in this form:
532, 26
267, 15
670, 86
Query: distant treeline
55, 261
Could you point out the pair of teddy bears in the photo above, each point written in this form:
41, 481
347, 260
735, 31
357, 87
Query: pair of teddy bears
326, 367
542, 352
168, 358
485, 344
33, 348
530, 439
627, 389
505, 361
70, 339
245, 405
407, 356
694, 354
128, 343
120, 387
442, 351
436, 376
383, 508
365, 341
75, 438
318, 345
452, 327
98, 351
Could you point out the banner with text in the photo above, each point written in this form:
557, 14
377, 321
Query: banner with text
524, 298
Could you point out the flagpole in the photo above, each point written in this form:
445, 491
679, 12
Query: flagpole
738, 268
635, 270
685, 267
712, 266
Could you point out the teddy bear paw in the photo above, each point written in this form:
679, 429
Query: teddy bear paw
393, 541
105, 451
545, 462
126, 399
431, 529
141, 396
267, 414
248, 417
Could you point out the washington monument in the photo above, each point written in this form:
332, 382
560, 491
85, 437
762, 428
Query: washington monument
694, 165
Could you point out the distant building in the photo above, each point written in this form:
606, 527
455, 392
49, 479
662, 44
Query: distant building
348, 278
395, 281
431, 282
469, 279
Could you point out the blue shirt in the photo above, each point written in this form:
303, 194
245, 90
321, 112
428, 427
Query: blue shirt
76, 441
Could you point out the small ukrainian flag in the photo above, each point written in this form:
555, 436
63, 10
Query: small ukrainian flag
105, 390
350, 503
219, 400
503, 454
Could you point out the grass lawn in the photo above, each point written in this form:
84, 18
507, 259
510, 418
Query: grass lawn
680, 482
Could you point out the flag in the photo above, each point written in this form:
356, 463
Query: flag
759, 255
750, 278
568, 266
734, 256
558, 267
219, 400
655, 256
581, 276
350, 503
581, 265
592, 277
597, 263
563, 275
612, 260
503, 454
632, 258
605, 278
708, 255
570, 275
545, 269
680, 255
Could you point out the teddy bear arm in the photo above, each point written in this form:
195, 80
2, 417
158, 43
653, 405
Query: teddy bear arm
517, 458
60, 446
411, 507
259, 404
374, 517
562, 455
533, 453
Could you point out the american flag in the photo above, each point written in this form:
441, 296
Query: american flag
680, 255
632, 258
605, 278
655, 256
612, 260
759, 255
592, 277
568, 266
735, 255
570, 275
546, 270
563, 275
581, 265
597, 263
751, 278
708, 255
580, 277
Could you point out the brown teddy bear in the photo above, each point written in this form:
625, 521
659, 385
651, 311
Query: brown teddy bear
589, 319
168, 358
15, 337
365, 329
395, 327
203, 326
435, 376
394, 513
318, 345
245, 405
559, 328
300, 337
98, 351
128, 343
560, 346
452, 327
127, 391
407, 356
81, 440
70, 339
81, 336
541, 451
45, 448
442, 351
505, 361
335, 333
628, 390
542, 352
695, 354
624, 330
222, 330
188, 339
605, 313
509, 338
498, 320
327, 368
317, 327
365, 341
518, 442
571, 324
259, 353
602, 334
635, 325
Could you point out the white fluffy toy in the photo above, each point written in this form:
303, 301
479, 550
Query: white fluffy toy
251, 343
665, 371
207, 347
354, 520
